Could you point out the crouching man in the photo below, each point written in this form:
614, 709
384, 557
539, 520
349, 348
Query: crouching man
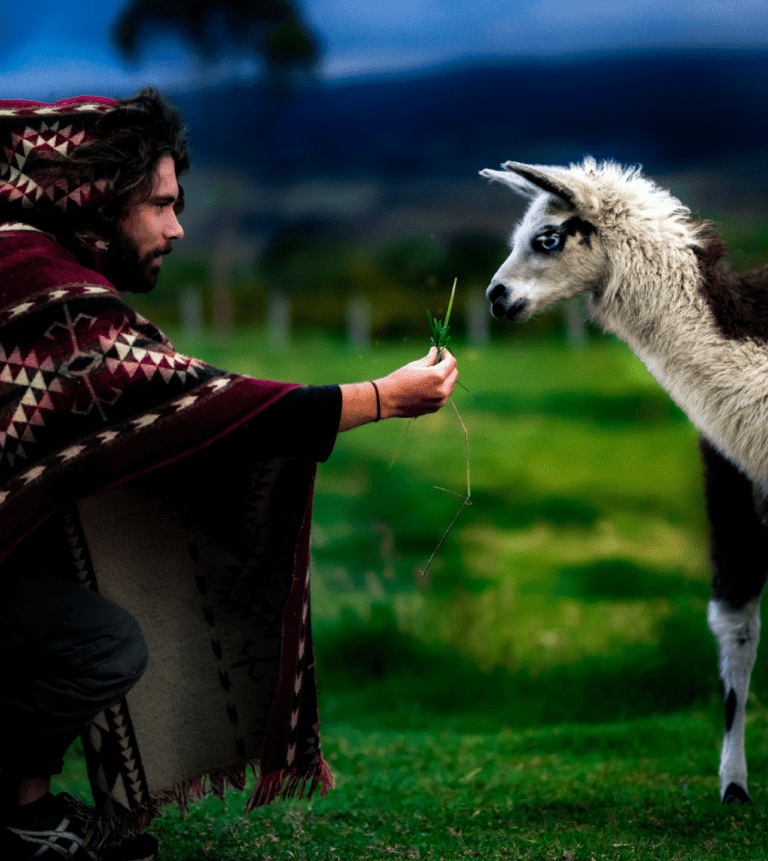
154, 510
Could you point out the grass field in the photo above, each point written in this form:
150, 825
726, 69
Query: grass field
549, 690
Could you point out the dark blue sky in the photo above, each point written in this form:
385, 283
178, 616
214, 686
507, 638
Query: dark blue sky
63, 48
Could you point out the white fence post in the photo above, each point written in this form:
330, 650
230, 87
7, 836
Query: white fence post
478, 315
191, 311
359, 322
221, 264
575, 321
278, 320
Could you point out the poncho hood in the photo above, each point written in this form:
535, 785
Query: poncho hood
38, 187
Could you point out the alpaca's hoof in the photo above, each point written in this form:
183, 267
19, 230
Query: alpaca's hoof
734, 794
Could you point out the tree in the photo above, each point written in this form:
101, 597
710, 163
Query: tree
271, 30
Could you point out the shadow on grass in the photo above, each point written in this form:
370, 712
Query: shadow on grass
620, 579
653, 407
372, 667
522, 507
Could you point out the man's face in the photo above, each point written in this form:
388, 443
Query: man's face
145, 234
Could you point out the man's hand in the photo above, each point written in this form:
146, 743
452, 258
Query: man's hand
416, 389
419, 387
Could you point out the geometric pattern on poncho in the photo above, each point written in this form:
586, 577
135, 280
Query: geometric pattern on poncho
56, 142
50, 133
91, 357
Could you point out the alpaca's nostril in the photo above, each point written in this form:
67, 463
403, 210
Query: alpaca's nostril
495, 292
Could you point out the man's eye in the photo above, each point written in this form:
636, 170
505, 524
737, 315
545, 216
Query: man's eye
547, 242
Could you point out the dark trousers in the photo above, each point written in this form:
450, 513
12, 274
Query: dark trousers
66, 653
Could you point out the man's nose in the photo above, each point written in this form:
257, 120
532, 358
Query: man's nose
173, 228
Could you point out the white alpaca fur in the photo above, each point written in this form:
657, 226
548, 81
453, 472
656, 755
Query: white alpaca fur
608, 232
737, 633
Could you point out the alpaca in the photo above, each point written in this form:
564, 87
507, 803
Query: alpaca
656, 277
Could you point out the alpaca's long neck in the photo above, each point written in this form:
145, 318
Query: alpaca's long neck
720, 382
652, 305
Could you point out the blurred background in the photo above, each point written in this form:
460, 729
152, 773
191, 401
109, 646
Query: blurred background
334, 197
337, 142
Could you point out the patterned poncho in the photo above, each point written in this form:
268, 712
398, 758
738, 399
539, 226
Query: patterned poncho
165, 503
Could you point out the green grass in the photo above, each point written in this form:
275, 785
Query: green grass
550, 690
640, 789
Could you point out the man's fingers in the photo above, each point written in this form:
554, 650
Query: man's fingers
449, 359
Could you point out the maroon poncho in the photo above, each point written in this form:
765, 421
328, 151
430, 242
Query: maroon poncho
165, 504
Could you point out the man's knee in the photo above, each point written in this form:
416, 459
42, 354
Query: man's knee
128, 655
71, 644
114, 658
136, 654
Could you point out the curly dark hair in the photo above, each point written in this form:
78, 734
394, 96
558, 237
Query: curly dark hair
130, 141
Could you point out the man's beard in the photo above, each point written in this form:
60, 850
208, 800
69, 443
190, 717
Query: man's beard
127, 269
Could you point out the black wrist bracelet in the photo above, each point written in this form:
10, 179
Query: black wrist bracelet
378, 402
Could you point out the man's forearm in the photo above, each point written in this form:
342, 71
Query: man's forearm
358, 405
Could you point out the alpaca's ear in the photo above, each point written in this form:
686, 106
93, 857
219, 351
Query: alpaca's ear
530, 180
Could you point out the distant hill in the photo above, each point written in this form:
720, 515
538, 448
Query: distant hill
395, 156
666, 111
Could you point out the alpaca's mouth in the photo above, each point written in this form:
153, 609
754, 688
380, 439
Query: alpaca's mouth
511, 312
498, 295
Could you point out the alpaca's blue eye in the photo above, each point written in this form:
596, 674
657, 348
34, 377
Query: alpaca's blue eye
547, 242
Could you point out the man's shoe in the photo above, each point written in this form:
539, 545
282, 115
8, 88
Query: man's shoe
53, 828
56, 829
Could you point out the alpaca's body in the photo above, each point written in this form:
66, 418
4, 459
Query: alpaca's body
654, 278
721, 384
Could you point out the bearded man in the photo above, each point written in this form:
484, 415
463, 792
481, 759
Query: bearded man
154, 510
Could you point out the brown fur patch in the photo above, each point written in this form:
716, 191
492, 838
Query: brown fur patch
738, 300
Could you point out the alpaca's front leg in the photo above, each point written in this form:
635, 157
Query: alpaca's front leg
737, 632
739, 549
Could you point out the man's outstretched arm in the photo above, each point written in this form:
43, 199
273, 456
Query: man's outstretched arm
416, 389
